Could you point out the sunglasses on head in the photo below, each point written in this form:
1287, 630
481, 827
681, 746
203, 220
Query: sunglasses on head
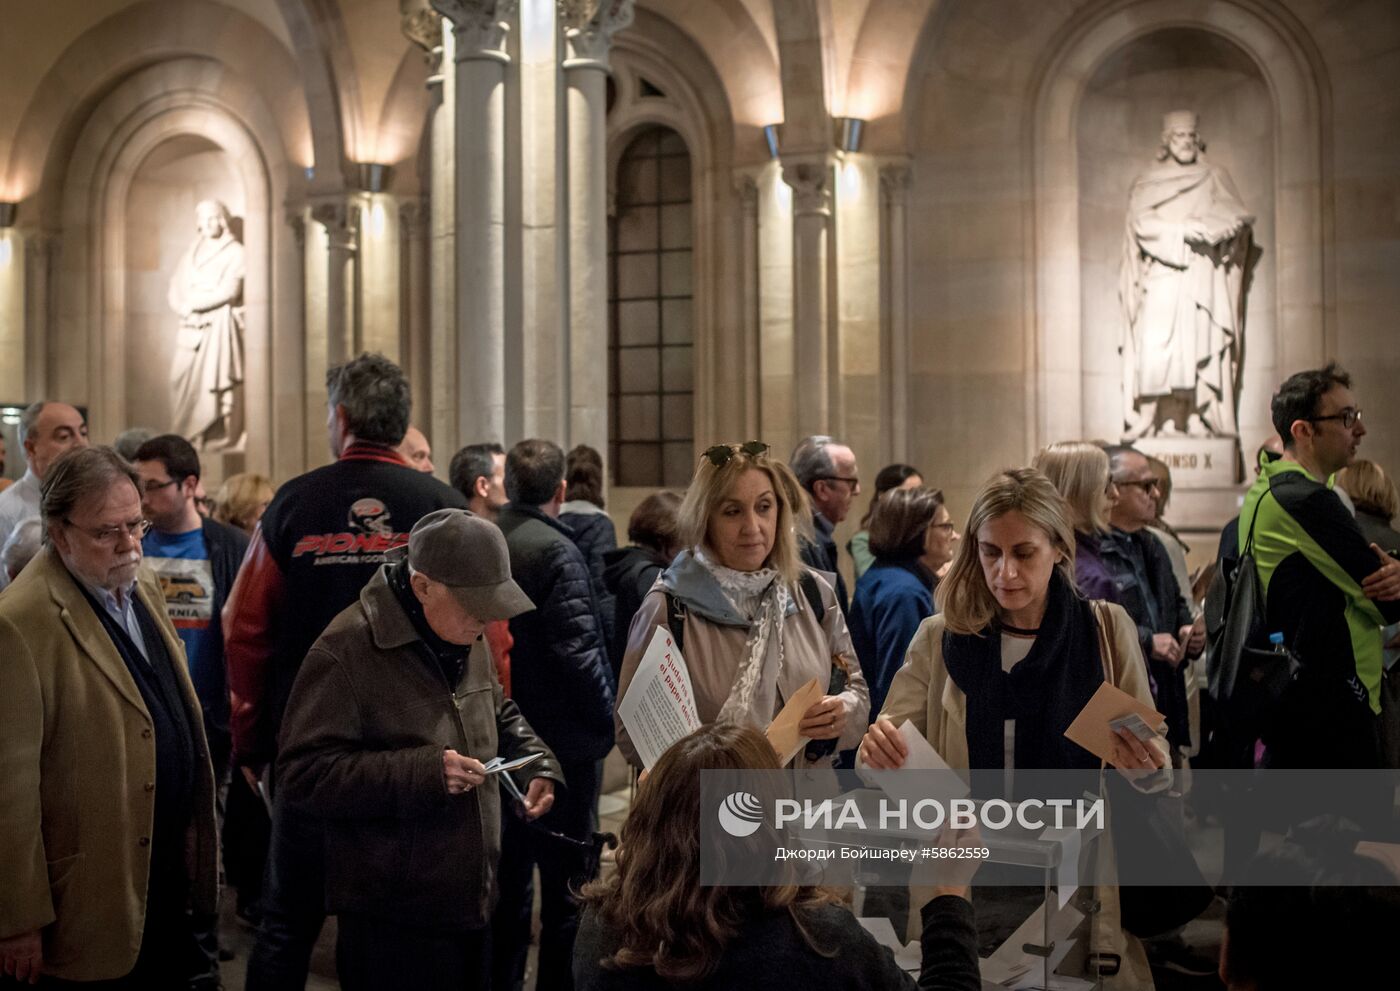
721, 454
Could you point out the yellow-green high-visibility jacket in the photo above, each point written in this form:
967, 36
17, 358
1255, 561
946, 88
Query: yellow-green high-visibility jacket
1312, 559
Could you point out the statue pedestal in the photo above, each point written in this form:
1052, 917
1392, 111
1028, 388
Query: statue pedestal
1196, 462
1206, 487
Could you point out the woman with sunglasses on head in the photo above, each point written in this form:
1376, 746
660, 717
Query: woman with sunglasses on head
650, 924
1014, 654
753, 623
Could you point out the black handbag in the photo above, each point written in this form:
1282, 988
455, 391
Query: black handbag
1246, 676
1149, 838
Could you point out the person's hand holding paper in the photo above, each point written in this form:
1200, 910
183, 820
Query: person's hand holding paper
786, 732
1094, 729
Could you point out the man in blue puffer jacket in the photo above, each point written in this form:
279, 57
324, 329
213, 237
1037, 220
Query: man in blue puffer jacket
562, 684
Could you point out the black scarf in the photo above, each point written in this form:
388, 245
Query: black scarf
1043, 693
451, 657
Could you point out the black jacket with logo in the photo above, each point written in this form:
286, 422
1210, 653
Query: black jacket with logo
323, 537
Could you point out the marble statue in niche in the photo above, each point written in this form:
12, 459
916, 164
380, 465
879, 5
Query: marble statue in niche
1187, 253
206, 373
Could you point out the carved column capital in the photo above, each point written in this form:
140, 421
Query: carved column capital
413, 217
810, 180
894, 182
589, 26
746, 186
422, 25
340, 216
296, 220
479, 27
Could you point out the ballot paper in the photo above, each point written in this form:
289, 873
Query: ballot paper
915, 787
497, 764
659, 707
1091, 729
909, 956
1028, 970
782, 732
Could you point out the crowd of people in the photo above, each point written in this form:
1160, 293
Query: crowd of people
309, 692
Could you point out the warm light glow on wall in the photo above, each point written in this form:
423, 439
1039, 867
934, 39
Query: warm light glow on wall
7, 250
376, 216
852, 177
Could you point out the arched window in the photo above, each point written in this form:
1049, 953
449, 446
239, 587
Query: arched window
650, 340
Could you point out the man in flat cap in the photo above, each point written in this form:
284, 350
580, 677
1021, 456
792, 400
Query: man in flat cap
393, 719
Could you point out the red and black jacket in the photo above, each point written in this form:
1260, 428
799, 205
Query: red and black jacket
323, 537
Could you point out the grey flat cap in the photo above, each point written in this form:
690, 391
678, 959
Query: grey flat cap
468, 554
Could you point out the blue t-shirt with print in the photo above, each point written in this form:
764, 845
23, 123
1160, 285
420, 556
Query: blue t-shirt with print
181, 562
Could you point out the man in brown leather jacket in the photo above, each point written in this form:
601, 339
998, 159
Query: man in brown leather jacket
392, 720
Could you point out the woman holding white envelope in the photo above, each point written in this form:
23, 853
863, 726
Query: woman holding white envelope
755, 625
1014, 655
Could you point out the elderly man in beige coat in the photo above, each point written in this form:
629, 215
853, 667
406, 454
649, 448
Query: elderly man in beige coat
107, 838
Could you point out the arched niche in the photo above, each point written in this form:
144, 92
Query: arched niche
180, 103
1118, 129
1103, 65
159, 219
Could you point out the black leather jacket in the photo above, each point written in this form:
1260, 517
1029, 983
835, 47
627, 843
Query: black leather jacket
362, 740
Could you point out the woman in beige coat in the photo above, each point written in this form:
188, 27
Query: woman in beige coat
996, 677
756, 624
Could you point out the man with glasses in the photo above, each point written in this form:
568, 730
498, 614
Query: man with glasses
1327, 590
107, 835
1148, 589
826, 468
196, 560
46, 431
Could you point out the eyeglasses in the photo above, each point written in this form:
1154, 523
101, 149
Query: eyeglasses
947, 527
852, 481
153, 487
1349, 418
1146, 484
135, 529
721, 454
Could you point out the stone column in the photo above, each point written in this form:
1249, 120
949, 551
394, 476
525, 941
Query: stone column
749, 351
894, 264
812, 340
39, 250
413, 305
479, 29
588, 29
340, 216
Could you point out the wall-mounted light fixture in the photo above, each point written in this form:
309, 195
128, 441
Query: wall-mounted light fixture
373, 177
770, 137
851, 128
7, 214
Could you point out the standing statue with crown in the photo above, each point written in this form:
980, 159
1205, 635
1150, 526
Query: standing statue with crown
1187, 251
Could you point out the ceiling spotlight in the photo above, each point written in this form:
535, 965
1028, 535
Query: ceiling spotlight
7, 214
373, 177
851, 128
770, 137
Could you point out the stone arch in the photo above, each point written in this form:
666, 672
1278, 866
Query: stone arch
188, 96
802, 69
694, 107
324, 90
401, 133
877, 87
232, 43
1297, 83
